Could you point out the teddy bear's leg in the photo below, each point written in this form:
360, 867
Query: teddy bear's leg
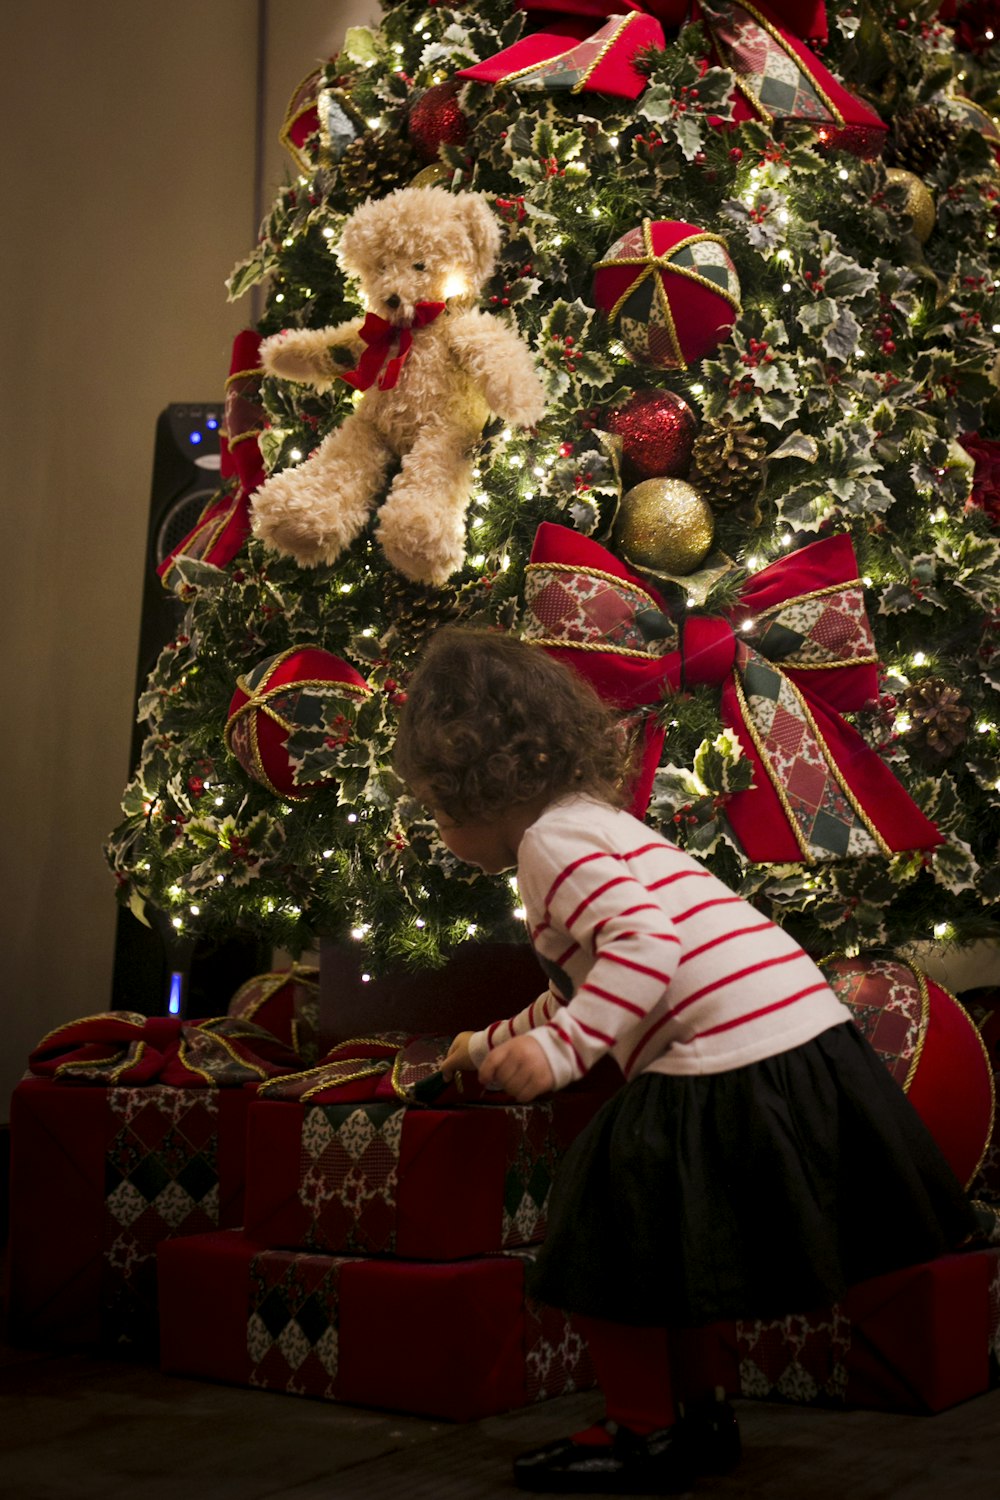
422, 523
313, 512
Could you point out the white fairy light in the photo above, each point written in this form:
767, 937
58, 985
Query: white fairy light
296, 455
176, 922
919, 659
352, 817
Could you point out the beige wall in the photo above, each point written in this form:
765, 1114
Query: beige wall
128, 191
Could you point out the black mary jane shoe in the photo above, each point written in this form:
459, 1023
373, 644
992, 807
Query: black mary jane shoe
659, 1464
711, 1436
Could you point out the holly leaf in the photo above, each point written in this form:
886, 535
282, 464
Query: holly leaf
955, 867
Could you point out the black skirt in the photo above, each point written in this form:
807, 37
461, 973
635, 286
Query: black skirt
758, 1192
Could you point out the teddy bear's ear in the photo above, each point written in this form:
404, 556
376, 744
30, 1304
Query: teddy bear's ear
483, 231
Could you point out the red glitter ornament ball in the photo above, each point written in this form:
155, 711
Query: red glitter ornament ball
657, 430
436, 120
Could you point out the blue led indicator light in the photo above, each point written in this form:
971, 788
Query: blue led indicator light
212, 424
195, 437
176, 993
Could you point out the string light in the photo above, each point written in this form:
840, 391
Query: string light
919, 659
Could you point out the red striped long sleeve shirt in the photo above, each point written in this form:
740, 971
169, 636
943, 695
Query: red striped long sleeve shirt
650, 957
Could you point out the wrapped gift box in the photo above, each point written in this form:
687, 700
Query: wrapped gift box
917, 1340
457, 1341
99, 1176
383, 1178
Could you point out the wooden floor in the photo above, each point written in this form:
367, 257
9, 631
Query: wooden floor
76, 1428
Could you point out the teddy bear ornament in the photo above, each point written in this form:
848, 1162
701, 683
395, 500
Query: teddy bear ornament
432, 367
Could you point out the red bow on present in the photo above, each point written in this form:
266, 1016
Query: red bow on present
387, 1066
379, 363
121, 1048
224, 525
819, 791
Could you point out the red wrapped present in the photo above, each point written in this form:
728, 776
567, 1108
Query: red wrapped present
380, 1178
458, 1341
99, 1176
916, 1340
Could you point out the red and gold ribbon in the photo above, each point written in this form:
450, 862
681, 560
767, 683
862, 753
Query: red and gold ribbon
792, 656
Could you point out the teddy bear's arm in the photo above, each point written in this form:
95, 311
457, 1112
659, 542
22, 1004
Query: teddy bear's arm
312, 356
501, 365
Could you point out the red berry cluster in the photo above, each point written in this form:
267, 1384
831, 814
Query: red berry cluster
884, 335
396, 695
341, 733
814, 281
687, 99
756, 354
196, 786
512, 209
651, 141
571, 356
552, 167
240, 852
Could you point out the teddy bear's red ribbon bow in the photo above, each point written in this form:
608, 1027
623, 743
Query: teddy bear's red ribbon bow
379, 363
819, 792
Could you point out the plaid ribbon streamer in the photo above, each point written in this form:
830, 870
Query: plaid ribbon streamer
793, 653
224, 525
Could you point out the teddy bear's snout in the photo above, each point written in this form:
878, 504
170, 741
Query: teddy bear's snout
393, 301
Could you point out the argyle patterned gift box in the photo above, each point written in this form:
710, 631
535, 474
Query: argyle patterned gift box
98, 1177
917, 1340
457, 1341
384, 1178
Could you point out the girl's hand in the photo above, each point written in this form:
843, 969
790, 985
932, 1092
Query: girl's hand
520, 1068
458, 1059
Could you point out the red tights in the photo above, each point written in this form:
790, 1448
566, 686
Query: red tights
635, 1369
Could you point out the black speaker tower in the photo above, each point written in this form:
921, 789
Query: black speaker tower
155, 972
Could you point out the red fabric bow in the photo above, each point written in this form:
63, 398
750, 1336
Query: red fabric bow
120, 1048
777, 77
387, 1066
379, 363
819, 792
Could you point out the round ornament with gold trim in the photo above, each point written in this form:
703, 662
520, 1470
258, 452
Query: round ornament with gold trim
919, 201
664, 526
304, 689
975, 117
670, 291
931, 1047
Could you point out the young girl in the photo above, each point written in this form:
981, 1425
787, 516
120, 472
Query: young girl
759, 1160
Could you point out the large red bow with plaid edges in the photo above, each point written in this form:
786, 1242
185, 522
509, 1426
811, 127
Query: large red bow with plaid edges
778, 78
819, 792
121, 1048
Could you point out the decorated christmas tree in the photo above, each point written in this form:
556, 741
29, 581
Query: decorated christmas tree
753, 251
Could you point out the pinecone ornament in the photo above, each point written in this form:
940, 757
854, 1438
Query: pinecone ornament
416, 610
938, 718
920, 140
375, 164
726, 463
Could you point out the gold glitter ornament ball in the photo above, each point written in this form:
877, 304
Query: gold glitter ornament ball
919, 201
664, 525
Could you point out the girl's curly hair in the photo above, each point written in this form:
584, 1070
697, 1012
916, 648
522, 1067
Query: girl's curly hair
491, 721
